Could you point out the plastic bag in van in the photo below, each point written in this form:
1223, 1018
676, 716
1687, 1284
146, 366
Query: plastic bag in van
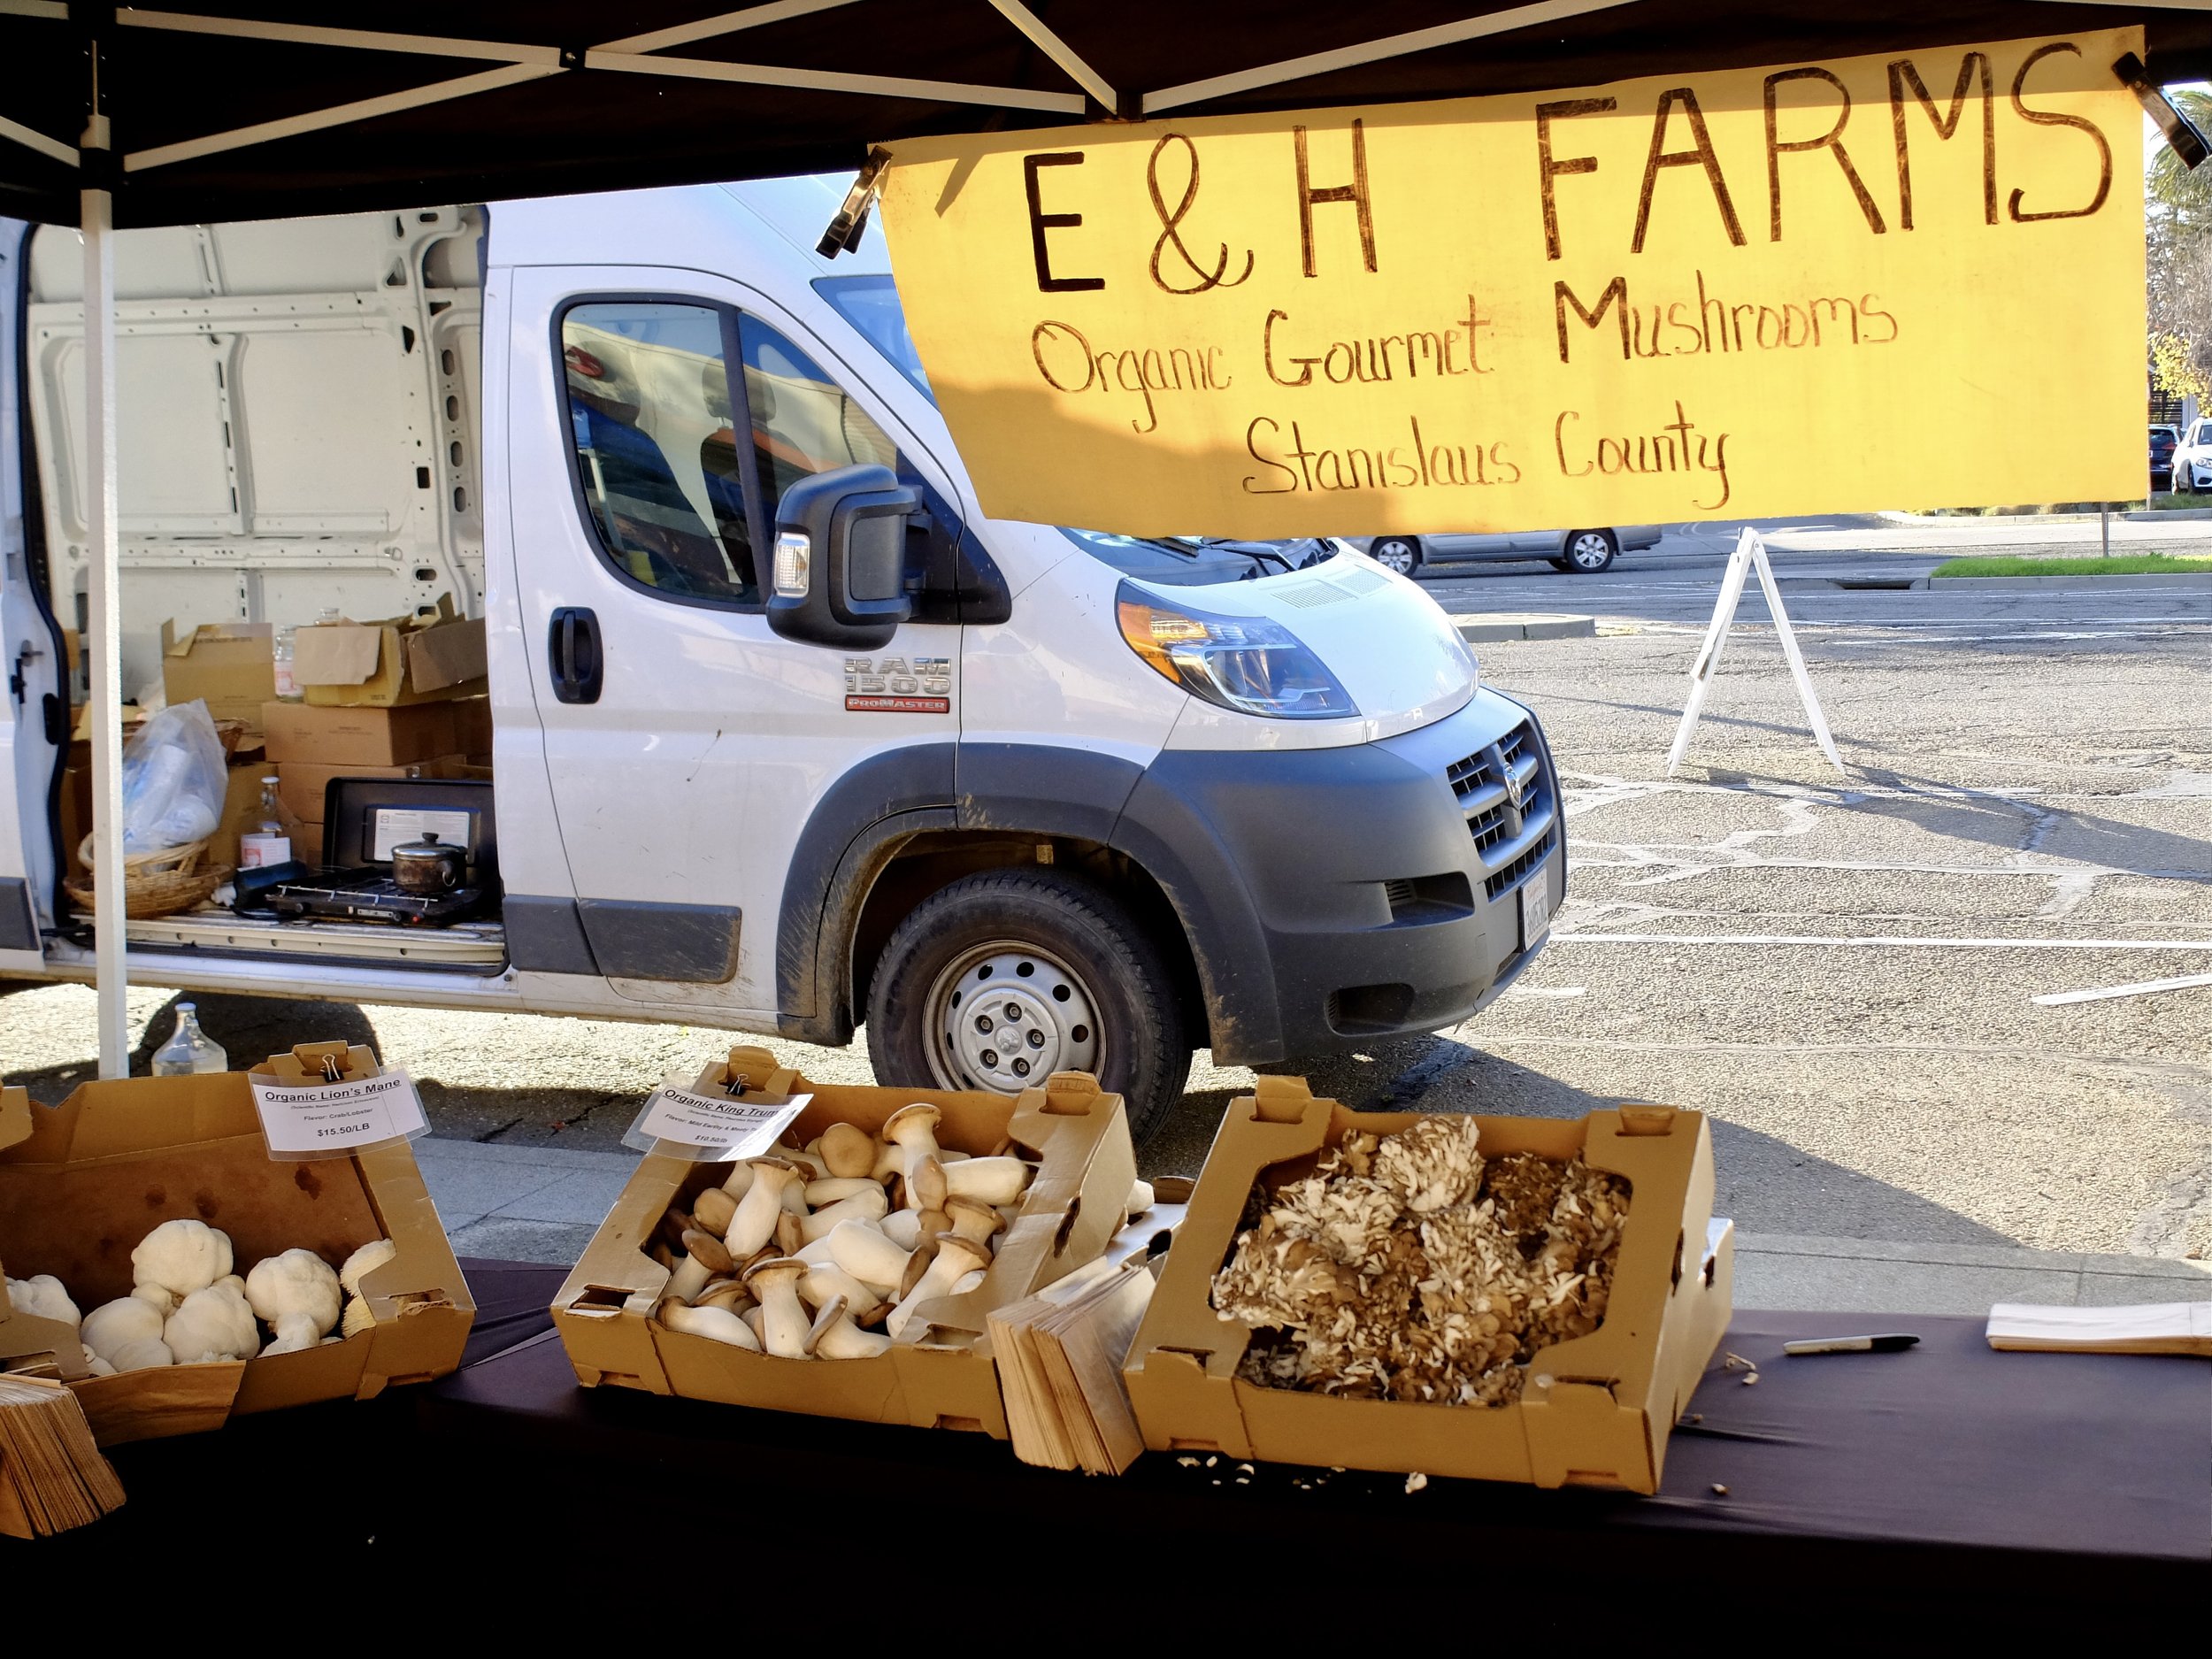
174, 780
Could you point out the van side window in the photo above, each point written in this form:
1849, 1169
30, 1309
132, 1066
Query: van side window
803, 422
656, 453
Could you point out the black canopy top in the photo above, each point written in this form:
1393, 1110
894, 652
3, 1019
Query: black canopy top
305, 107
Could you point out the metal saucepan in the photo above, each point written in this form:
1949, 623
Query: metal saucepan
428, 867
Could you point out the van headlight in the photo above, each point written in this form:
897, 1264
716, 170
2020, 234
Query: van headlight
1246, 663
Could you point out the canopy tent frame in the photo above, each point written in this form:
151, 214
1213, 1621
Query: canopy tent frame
1092, 93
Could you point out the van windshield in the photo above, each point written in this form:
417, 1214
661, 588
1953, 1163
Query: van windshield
870, 304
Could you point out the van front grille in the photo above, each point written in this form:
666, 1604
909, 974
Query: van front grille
1509, 840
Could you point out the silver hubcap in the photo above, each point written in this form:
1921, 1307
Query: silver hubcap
1005, 1015
1589, 552
1394, 556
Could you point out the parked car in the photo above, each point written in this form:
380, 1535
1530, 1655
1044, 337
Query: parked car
2192, 466
2164, 442
1581, 552
1021, 800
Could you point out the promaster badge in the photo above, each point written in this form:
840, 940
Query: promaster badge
891, 685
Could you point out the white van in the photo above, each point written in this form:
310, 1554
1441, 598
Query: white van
788, 737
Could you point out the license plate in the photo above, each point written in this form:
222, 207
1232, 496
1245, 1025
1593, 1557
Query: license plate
1535, 912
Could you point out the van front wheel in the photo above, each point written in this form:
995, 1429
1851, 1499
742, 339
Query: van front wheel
1003, 978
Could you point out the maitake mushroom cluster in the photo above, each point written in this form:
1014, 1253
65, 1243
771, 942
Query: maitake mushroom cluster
186, 1307
826, 1251
1409, 1267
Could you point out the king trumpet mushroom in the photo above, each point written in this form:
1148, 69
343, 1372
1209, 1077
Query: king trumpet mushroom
755, 1222
835, 1336
181, 1256
868, 1204
783, 1322
836, 1188
973, 1219
913, 1129
987, 1181
296, 1295
827, 1283
213, 1323
902, 1227
717, 1325
869, 1256
42, 1297
714, 1210
849, 1151
956, 1258
705, 1256
112, 1326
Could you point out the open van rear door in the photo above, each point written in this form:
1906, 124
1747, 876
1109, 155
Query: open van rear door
35, 690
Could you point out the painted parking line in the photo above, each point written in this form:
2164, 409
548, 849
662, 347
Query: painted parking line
1886, 940
2145, 987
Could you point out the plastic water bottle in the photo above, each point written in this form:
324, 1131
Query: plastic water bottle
189, 1048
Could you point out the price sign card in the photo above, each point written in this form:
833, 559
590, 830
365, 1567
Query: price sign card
334, 1120
712, 1128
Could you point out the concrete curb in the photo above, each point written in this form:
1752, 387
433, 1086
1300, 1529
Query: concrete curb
2177, 578
2187, 515
1510, 625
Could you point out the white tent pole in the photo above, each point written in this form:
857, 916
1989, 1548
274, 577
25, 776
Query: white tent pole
104, 649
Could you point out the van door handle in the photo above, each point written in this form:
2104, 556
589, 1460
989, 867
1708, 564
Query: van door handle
572, 644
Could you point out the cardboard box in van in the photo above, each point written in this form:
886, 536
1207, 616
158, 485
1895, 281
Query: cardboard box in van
1594, 1411
472, 728
357, 736
941, 1373
230, 666
82, 1183
383, 664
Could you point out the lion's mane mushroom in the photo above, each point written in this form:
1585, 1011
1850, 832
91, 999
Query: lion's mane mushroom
1140, 1198
869, 1256
362, 1262
181, 1256
143, 1354
784, 1323
848, 1151
213, 1323
112, 1326
717, 1325
913, 1129
42, 1296
754, 1224
987, 1181
833, 1335
296, 1295
956, 1257
869, 1204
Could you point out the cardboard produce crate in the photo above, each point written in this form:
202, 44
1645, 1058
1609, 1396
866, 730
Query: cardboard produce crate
939, 1374
1596, 1410
80, 1183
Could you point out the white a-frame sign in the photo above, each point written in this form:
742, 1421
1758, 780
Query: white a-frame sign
1750, 554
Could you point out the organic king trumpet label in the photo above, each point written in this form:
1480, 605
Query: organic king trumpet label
712, 1128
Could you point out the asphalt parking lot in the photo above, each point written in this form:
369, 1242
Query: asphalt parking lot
1840, 970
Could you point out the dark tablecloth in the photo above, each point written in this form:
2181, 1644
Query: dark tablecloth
2023, 1487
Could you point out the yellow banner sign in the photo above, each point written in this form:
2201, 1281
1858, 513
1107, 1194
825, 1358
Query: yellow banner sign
1897, 281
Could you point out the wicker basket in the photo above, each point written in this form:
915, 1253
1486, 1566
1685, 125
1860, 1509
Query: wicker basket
158, 883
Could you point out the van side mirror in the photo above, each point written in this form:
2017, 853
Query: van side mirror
839, 576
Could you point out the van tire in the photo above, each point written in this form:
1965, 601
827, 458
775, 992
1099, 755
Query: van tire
1144, 1051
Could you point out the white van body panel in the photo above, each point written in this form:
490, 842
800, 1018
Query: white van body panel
26, 859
